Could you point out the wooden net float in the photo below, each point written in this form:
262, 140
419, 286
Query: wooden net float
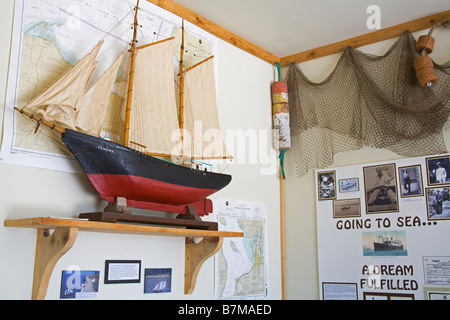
424, 67
425, 42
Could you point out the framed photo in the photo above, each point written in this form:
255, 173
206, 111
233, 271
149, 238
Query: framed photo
381, 243
380, 186
438, 204
339, 291
158, 280
77, 284
436, 293
326, 181
410, 181
346, 208
122, 271
387, 296
438, 170
349, 185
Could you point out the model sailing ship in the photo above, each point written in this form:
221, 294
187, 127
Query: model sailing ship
134, 170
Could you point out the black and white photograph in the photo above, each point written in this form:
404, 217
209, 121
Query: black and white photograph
345, 208
438, 170
380, 185
349, 185
438, 204
410, 181
326, 181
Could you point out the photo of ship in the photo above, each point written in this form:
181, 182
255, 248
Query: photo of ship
384, 243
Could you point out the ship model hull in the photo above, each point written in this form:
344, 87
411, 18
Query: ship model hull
146, 182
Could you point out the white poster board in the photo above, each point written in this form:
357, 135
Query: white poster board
383, 229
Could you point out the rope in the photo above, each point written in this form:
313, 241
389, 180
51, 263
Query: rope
282, 152
279, 70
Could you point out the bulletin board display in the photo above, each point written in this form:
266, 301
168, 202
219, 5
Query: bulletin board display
383, 230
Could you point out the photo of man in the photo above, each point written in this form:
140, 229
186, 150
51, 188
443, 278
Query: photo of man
438, 203
327, 185
410, 181
381, 188
438, 170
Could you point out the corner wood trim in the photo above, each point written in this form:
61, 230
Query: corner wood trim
366, 39
49, 249
196, 255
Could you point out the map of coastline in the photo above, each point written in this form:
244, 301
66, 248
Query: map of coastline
241, 261
51, 37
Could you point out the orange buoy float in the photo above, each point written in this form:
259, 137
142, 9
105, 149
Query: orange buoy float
280, 114
425, 42
424, 67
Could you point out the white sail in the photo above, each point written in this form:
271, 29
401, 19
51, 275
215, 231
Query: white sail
65, 95
92, 112
154, 126
154, 122
202, 137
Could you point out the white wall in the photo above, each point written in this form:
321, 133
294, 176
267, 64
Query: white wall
301, 241
244, 103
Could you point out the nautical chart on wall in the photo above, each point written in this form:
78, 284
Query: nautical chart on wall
50, 37
242, 263
383, 230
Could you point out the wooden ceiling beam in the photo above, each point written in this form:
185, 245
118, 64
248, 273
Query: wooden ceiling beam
216, 30
368, 38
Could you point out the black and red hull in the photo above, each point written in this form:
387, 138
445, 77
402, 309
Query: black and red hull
145, 181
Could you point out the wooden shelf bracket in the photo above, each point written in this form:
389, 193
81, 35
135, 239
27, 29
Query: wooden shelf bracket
196, 255
49, 249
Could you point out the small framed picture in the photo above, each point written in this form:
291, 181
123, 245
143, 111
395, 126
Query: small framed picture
380, 185
438, 170
326, 181
436, 293
438, 203
77, 284
346, 208
410, 181
349, 185
158, 280
122, 271
339, 291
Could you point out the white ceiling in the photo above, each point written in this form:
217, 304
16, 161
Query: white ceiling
285, 27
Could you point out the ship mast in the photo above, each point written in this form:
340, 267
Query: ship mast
130, 79
181, 119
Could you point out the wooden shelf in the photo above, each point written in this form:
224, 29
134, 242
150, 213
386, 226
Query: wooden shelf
50, 247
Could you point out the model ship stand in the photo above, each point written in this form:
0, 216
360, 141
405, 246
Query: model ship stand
119, 212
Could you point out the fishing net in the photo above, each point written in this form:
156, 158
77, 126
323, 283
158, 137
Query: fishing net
368, 100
